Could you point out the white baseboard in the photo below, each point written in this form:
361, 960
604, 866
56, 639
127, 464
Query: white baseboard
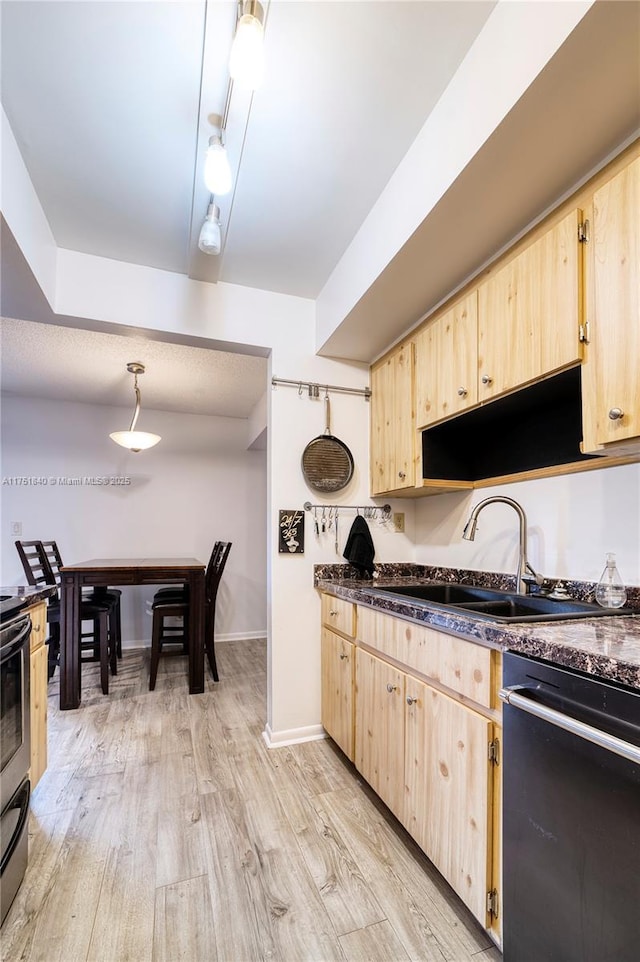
292, 736
233, 636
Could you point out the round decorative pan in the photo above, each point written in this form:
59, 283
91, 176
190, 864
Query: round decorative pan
327, 462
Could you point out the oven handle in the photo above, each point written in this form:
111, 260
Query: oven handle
20, 800
8, 651
512, 696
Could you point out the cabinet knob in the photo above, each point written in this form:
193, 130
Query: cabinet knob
462, 392
343, 656
411, 700
616, 414
401, 475
36, 628
486, 379
391, 688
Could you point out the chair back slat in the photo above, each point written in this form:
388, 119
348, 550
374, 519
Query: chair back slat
34, 561
216, 565
54, 559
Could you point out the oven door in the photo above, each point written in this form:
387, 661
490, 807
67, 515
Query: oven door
15, 842
14, 707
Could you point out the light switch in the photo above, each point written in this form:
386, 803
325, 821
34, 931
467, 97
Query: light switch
16, 529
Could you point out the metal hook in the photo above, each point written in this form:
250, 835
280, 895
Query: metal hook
300, 389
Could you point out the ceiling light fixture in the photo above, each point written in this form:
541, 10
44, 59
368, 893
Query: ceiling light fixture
210, 240
246, 63
217, 172
135, 440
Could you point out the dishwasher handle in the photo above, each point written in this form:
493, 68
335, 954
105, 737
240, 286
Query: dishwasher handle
514, 696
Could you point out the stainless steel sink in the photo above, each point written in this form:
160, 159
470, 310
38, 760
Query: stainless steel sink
495, 605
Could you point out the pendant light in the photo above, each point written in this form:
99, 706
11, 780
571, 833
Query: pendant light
210, 240
217, 172
246, 63
132, 439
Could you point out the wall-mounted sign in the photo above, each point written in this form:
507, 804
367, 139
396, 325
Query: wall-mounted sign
291, 532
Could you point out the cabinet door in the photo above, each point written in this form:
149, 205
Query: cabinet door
392, 422
447, 799
529, 312
447, 363
337, 689
612, 389
38, 714
380, 728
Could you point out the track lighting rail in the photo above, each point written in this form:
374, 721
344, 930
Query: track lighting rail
314, 389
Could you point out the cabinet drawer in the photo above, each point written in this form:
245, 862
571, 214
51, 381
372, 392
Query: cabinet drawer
38, 615
459, 665
339, 615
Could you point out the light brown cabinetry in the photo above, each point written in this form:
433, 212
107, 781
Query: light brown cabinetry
611, 396
425, 711
446, 353
38, 692
338, 671
338, 663
393, 422
529, 312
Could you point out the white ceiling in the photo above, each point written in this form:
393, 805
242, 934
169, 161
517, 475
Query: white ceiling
61, 363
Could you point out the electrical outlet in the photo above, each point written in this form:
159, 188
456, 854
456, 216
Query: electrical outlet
16, 529
398, 521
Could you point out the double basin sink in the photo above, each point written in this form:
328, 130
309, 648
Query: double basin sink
495, 605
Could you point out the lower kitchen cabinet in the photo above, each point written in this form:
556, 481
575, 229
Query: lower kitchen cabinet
38, 693
426, 716
448, 789
338, 662
380, 728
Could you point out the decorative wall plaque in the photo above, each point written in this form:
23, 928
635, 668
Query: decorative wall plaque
291, 532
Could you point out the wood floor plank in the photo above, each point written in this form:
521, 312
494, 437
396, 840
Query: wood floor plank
180, 843
376, 943
184, 929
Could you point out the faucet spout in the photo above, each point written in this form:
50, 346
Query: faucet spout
469, 534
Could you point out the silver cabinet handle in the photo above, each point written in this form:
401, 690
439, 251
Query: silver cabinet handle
462, 392
486, 379
401, 475
342, 657
411, 701
391, 688
616, 414
513, 696
332, 614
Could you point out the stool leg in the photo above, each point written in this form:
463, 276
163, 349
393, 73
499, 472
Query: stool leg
118, 629
210, 623
156, 644
103, 641
113, 642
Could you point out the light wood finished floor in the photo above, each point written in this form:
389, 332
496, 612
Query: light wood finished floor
164, 830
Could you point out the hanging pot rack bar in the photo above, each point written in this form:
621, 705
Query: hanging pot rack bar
314, 389
368, 510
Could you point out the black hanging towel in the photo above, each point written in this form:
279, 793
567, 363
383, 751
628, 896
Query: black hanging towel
359, 550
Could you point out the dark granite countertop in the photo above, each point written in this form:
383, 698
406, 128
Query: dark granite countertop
16, 597
607, 647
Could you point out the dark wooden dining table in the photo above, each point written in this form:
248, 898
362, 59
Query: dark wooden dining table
99, 573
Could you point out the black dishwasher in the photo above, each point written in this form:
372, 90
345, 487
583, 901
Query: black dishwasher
571, 829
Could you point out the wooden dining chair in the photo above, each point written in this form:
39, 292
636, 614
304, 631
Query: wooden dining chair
109, 596
172, 603
38, 573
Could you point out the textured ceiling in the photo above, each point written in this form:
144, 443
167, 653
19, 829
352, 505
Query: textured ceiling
47, 361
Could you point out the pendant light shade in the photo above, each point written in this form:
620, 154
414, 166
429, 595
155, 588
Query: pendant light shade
132, 439
246, 63
210, 240
217, 172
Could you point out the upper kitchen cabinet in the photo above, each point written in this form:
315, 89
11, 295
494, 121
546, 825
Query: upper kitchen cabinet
611, 396
392, 422
447, 363
529, 312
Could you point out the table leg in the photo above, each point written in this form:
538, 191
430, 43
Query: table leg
196, 632
70, 679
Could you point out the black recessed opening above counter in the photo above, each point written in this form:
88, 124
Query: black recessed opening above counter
536, 427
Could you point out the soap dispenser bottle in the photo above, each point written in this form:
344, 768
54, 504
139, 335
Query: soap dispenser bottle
611, 592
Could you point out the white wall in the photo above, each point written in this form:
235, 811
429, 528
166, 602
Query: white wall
572, 522
198, 485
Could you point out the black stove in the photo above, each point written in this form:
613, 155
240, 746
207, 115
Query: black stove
12, 605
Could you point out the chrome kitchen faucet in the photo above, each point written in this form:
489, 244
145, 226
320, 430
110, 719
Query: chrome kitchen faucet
469, 534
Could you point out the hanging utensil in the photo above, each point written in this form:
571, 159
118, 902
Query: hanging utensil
336, 521
327, 462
